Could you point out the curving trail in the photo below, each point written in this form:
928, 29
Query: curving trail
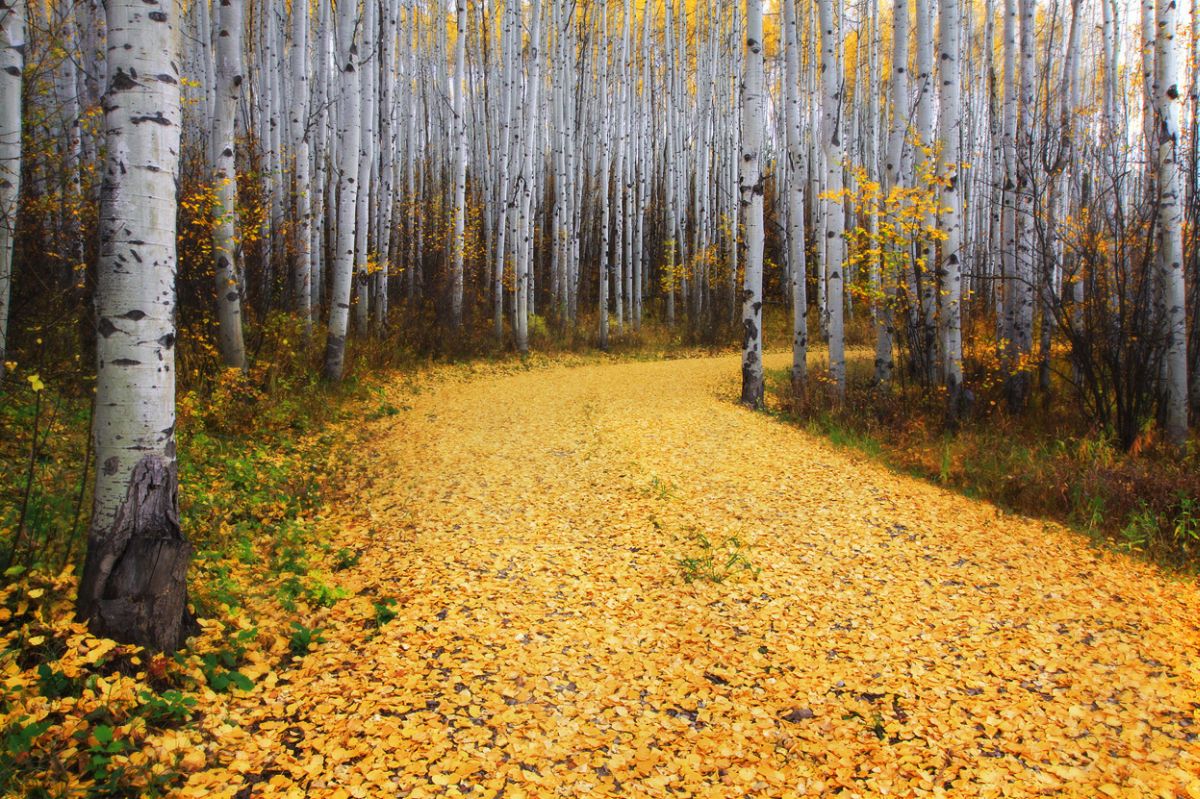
899, 640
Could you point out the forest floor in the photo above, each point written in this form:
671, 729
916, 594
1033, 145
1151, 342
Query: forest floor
610, 580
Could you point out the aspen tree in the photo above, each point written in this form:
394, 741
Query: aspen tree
349, 129
795, 203
225, 249
893, 179
834, 218
303, 191
12, 66
367, 84
503, 157
950, 71
134, 582
1022, 297
459, 243
751, 192
1168, 99
923, 269
531, 141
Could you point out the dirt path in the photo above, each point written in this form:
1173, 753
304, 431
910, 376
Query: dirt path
899, 640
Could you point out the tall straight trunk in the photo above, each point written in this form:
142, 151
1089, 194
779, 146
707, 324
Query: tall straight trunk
349, 129
134, 583
12, 67
70, 209
924, 274
508, 55
225, 248
950, 137
603, 188
835, 220
1008, 138
797, 177
1168, 98
531, 141
751, 191
320, 233
893, 179
459, 243
302, 277
1023, 298
368, 66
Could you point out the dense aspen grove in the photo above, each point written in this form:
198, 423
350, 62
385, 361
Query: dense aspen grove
224, 224
1018, 175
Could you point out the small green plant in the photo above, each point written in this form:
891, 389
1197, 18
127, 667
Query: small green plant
166, 710
385, 409
716, 564
1187, 522
661, 489
221, 667
304, 639
108, 778
385, 611
346, 558
18, 738
322, 595
1140, 530
1088, 510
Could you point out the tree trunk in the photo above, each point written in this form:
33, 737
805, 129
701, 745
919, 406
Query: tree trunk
349, 129
225, 248
1170, 222
134, 584
12, 66
797, 175
751, 191
952, 205
834, 215
459, 243
893, 176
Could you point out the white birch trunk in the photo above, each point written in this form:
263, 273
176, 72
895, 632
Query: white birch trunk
12, 67
349, 130
230, 77
1168, 98
302, 281
750, 190
795, 203
134, 580
459, 243
950, 137
893, 179
835, 220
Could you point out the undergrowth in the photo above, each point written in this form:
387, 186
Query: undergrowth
1043, 463
82, 716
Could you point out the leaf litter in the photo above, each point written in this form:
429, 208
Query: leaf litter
525, 534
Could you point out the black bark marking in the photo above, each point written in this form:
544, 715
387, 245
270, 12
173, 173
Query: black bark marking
121, 81
157, 119
126, 362
105, 327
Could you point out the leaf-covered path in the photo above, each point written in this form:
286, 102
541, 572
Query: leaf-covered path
899, 640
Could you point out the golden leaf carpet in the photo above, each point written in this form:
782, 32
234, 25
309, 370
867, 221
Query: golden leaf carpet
872, 635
